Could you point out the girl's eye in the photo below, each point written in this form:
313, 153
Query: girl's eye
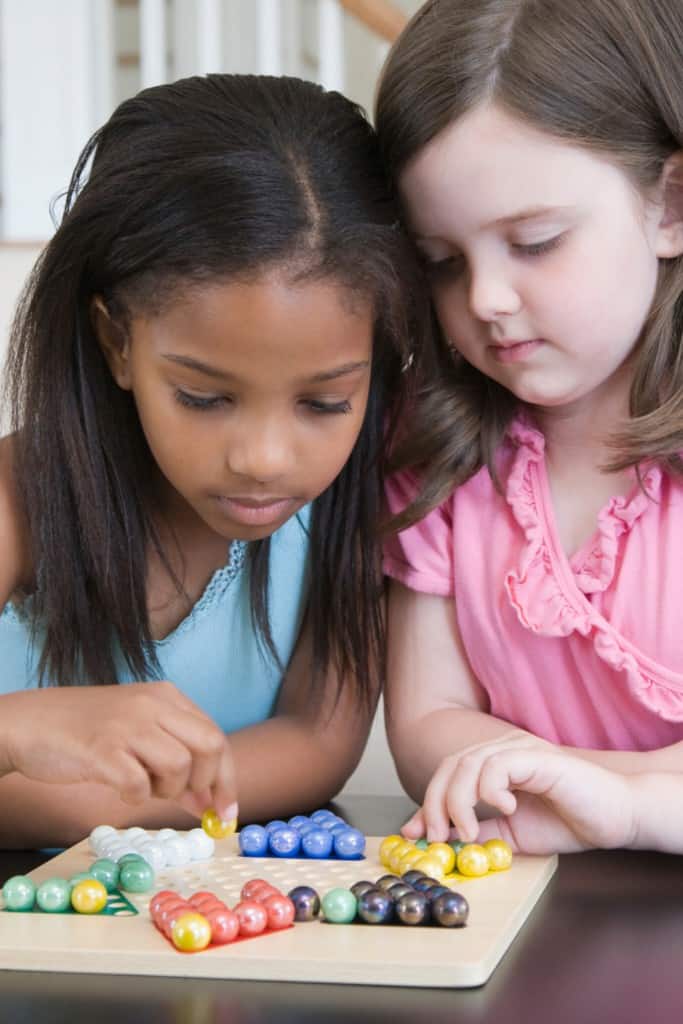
195, 402
328, 407
537, 248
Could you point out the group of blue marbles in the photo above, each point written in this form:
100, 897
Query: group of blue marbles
321, 836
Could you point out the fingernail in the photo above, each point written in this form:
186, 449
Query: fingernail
228, 813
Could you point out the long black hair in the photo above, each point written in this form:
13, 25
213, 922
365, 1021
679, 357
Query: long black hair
195, 182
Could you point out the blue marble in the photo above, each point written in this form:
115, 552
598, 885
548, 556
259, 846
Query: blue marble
298, 820
285, 842
253, 841
349, 844
322, 815
317, 843
274, 825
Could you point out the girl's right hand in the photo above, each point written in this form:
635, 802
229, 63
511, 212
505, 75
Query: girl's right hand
142, 739
550, 801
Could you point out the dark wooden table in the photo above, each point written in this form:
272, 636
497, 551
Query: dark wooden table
604, 943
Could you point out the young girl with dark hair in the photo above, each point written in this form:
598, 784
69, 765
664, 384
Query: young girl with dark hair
203, 369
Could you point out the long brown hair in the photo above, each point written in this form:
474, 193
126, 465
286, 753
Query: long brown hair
204, 180
603, 74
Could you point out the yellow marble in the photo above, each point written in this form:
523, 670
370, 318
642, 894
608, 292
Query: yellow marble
191, 932
215, 827
88, 896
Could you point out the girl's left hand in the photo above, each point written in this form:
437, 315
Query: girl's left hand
551, 801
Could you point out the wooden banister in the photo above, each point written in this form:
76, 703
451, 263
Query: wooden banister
381, 16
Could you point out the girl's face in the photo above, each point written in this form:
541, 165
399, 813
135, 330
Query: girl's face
543, 257
251, 396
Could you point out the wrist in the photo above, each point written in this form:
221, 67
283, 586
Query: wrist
632, 783
656, 822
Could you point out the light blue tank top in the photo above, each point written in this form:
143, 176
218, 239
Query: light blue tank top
214, 655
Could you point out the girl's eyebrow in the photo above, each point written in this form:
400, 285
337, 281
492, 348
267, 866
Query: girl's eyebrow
531, 213
212, 371
194, 364
341, 371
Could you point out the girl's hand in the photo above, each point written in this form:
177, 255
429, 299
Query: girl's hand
551, 801
142, 739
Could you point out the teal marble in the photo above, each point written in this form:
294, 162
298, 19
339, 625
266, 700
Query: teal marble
19, 893
339, 906
80, 876
105, 871
128, 858
54, 896
136, 876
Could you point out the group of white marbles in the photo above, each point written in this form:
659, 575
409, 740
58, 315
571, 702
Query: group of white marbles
163, 849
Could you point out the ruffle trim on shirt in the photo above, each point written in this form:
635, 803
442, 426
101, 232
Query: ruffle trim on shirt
213, 591
549, 599
594, 569
541, 604
660, 692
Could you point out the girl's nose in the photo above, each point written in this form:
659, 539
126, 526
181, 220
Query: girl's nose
261, 453
492, 295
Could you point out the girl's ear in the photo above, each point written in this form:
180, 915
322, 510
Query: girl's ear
670, 233
113, 341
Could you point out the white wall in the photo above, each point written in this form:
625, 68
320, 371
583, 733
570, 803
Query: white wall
65, 65
15, 264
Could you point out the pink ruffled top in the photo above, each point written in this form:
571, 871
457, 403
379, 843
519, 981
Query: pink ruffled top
585, 651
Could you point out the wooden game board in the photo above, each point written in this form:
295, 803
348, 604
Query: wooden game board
314, 951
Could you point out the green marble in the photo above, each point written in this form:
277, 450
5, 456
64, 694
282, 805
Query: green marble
80, 876
106, 871
19, 893
54, 896
421, 844
136, 876
339, 906
128, 858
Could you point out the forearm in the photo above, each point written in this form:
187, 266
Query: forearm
420, 745
287, 765
628, 762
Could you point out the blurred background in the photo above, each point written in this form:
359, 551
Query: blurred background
65, 65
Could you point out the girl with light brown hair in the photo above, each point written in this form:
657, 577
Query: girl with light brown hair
535, 612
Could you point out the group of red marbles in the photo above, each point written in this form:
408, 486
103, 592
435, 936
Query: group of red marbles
203, 919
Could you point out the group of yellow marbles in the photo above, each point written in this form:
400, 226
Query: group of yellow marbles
444, 860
